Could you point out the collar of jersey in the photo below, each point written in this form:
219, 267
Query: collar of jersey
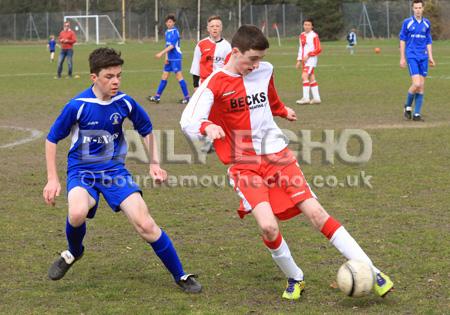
99, 101
213, 41
414, 18
230, 73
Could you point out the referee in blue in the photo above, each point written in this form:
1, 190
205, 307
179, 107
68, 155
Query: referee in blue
416, 52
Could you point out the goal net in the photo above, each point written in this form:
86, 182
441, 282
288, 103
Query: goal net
97, 29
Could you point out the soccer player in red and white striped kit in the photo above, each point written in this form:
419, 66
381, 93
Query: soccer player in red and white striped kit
309, 49
211, 53
235, 106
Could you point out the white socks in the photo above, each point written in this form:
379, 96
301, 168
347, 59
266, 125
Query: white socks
283, 258
348, 247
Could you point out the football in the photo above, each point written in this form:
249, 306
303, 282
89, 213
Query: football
377, 50
355, 278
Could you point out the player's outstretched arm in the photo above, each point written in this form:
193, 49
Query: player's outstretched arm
156, 172
53, 187
164, 51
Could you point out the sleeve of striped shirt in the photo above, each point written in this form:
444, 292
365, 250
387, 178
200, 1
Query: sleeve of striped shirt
195, 67
276, 105
195, 116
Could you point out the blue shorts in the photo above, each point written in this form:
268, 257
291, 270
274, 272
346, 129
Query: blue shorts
418, 66
173, 66
114, 185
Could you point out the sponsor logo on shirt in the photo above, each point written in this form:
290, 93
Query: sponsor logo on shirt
101, 139
251, 101
215, 59
92, 123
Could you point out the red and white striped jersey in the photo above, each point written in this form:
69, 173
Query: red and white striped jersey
209, 56
244, 106
309, 45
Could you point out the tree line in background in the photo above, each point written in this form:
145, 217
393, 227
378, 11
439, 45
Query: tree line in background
328, 12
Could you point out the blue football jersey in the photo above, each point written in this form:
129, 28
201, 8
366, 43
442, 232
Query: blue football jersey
51, 44
98, 142
173, 38
417, 35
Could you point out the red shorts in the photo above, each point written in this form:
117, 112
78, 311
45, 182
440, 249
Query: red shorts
276, 179
308, 69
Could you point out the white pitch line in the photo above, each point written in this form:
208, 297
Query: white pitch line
35, 134
331, 67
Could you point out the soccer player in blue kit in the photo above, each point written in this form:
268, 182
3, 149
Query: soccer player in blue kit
416, 51
96, 165
172, 63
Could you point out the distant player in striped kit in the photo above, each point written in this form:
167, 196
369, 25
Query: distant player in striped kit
416, 52
209, 54
309, 49
235, 107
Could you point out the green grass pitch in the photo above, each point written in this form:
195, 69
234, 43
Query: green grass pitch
402, 221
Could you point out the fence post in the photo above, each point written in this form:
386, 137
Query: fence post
267, 19
387, 20
284, 19
156, 21
251, 14
46, 22
14, 27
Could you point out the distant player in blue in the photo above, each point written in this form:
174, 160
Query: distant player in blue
51, 45
351, 40
172, 63
96, 165
416, 51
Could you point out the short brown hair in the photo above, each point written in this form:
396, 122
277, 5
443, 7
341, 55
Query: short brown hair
417, 1
170, 16
214, 17
103, 58
310, 20
249, 37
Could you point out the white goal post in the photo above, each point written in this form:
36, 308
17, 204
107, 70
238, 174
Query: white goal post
99, 27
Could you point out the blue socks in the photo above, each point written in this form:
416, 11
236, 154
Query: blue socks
409, 99
161, 87
163, 247
184, 89
163, 84
419, 102
75, 237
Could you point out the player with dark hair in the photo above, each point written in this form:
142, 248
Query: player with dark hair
235, 107
172, 62
309, 49
416, 52
96, 165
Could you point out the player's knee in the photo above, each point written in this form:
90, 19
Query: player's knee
77, 215
147, 228
417, 86
270, 231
